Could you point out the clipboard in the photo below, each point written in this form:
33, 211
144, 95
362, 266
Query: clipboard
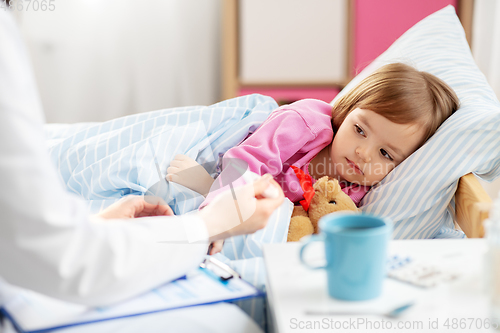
212, 282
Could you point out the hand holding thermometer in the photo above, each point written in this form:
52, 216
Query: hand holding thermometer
271, 192
236, 168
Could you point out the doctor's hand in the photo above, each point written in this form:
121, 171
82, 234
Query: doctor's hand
216, 246
243, 210
133, 206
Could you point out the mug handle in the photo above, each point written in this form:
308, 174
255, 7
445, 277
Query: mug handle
313, 238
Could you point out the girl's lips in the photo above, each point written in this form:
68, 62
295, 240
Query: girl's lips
354, 166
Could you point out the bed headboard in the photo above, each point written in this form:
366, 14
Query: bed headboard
472, 206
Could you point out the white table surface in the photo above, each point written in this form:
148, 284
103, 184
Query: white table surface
458, 306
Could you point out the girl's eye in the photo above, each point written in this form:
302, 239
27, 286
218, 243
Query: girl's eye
359, 130
385, 154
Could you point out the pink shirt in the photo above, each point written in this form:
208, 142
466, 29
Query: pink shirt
292, 135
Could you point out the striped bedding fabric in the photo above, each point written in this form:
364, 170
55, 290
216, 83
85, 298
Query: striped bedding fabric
102, 162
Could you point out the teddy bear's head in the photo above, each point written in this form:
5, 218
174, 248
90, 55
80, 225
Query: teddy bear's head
328, 198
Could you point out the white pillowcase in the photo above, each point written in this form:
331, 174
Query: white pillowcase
419, 194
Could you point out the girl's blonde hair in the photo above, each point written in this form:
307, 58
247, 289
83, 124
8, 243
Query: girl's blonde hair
401, 94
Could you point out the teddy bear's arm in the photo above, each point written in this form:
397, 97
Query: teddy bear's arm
300, 226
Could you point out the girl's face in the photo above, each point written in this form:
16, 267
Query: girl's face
367, 146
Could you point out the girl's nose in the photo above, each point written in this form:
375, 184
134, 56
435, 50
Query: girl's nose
363, 154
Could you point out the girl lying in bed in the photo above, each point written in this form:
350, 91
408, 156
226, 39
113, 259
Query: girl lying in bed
368, 132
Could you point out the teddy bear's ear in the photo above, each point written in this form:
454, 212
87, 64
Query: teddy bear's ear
320, 183
334, 186
326, 186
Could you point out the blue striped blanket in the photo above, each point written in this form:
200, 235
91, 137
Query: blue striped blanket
102, 162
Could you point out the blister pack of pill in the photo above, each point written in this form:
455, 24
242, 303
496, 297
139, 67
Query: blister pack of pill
417, 272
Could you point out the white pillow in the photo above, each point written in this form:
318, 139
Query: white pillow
419, 194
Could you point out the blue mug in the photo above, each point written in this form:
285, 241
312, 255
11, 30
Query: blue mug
355, 252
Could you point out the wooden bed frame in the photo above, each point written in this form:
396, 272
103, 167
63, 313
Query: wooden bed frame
472, 205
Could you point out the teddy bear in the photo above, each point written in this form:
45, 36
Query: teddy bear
322, 198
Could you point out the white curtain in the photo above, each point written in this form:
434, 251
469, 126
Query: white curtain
486, 40
486, 52
96, 60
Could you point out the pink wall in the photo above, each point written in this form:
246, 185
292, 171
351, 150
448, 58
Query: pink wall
380, 22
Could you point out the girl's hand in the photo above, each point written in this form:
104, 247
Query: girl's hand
133, 206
